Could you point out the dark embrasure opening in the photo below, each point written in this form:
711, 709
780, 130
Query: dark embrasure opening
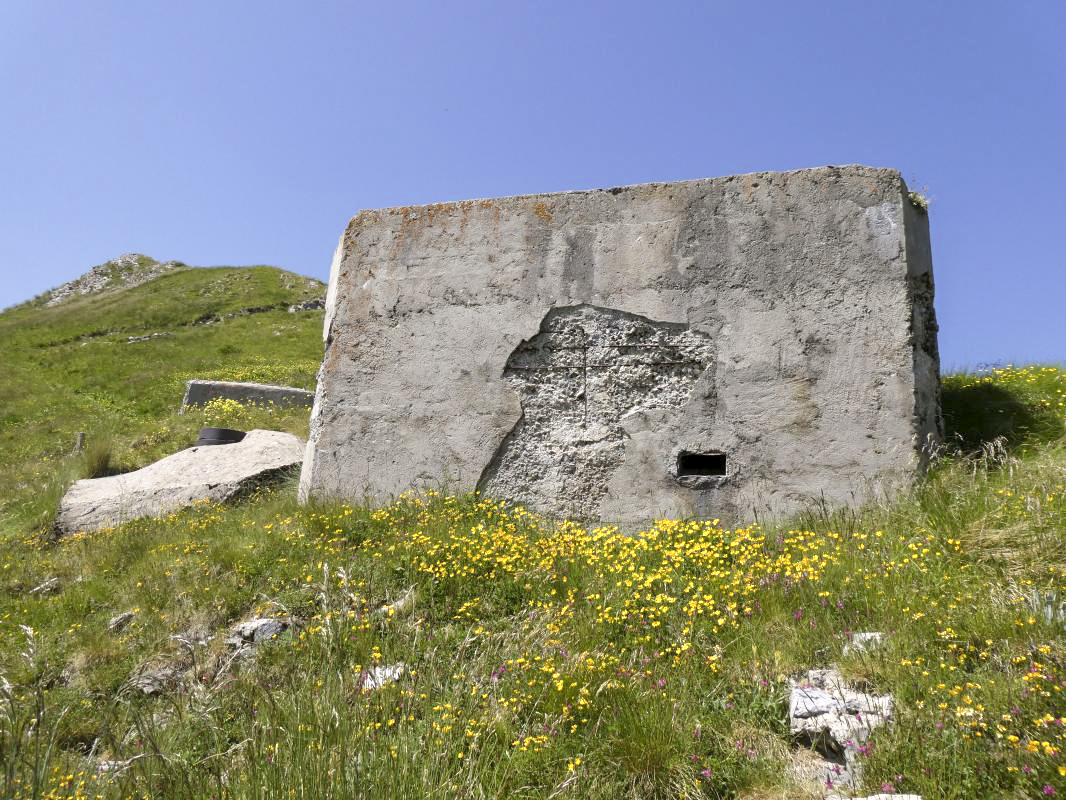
700, 463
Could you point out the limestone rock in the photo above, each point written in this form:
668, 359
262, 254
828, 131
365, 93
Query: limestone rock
49, 586
836, 721
400, 606
214, 473
864, 642
157, 679
124, 272
113, 767
313, 304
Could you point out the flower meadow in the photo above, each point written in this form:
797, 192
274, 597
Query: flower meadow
547, 658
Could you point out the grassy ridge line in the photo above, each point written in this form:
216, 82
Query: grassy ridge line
71, 368
552, 661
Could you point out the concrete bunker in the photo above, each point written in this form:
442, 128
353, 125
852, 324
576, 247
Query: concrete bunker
735, 347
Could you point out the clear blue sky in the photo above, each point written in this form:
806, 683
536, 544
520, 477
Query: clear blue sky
243, 133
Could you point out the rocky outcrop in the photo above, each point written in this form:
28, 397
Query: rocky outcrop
213, 473
131, 269
314, 304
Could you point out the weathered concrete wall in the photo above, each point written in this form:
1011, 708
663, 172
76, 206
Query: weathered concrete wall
724, 347
197, 393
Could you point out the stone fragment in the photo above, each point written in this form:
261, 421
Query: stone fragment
836, 721
256, 631
313, 304
198, 393
377, 677
113, 767
119, 622
399, 606
210, 473
704, 348
155, 680
49, 586
146, 337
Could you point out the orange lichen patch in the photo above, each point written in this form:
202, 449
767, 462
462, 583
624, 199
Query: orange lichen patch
542, 211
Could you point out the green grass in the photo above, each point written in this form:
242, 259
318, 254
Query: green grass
541, 660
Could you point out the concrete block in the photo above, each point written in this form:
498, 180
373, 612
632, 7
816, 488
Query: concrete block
199, 393
733, 347
215, 473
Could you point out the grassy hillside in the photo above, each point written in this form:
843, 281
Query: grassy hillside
73, 367
540, 660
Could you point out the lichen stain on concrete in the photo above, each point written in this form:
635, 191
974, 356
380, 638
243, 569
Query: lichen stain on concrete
577, 379
542, 211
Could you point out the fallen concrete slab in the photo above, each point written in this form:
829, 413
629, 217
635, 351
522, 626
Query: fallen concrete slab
213, 473
199, 393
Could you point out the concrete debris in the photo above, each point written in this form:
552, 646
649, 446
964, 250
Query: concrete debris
209, 473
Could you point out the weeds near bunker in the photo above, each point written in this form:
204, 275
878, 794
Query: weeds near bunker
920, 200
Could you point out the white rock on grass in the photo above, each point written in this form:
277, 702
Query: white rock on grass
49, 586
398, 607
212, 473
864, 642
836, 720
376, 677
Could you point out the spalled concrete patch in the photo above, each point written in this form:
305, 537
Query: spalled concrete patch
215, 473
580, 380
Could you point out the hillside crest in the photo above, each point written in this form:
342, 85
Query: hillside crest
126, 271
